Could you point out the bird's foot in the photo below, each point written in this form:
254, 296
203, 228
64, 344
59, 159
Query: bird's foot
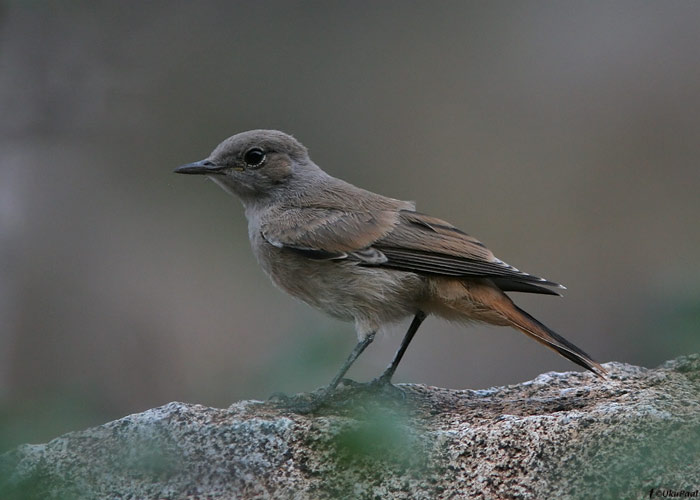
312, 402
347, 394
348, 382
383, 385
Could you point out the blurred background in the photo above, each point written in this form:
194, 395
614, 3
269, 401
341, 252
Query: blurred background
565, 135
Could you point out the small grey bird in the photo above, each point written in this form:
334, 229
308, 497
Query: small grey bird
363, 257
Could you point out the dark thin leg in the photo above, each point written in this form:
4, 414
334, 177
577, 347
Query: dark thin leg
361, 346
385, 377
319, 401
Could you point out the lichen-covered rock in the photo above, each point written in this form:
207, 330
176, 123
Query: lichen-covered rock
561, 435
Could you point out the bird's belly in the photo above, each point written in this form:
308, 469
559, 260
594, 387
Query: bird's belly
345, 289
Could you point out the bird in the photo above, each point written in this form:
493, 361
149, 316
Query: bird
363, 257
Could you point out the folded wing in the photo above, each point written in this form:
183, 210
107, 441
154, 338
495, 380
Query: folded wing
426, 244
397, 239
327, 233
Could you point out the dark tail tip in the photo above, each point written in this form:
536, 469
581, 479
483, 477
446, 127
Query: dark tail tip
566, 348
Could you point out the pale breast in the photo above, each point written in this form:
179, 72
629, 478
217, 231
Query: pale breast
342, 288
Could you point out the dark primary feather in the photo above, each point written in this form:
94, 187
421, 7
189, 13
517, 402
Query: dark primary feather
513, 285
425, 244
459, 267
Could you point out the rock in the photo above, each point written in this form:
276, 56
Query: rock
561, 435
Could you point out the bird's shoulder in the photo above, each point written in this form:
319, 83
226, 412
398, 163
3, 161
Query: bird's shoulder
326, 227
337, 218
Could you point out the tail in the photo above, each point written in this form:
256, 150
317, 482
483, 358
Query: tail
541, 333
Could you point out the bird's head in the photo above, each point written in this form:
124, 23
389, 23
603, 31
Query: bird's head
257, 165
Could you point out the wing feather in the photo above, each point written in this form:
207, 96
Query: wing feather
425, 244
396, 239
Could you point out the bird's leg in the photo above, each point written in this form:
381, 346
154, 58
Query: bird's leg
361, 346
385, 378
328, 390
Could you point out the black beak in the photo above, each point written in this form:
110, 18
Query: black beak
204, 167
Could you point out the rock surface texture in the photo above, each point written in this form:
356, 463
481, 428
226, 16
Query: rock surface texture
561, 435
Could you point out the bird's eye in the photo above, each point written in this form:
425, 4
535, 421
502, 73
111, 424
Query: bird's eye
254, 157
